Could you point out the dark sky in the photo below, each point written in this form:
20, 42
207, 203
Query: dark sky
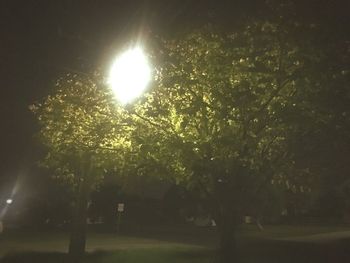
41, 40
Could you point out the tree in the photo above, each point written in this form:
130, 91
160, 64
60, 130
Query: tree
323, 143
224, 110
85, 133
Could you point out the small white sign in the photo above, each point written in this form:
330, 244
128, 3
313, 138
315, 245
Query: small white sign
120, 207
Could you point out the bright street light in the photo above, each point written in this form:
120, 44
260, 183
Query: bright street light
129, 75
9, 201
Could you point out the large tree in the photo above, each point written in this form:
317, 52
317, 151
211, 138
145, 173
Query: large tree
225, 108
322, 142
85, 133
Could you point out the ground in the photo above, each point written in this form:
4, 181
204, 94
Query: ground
182, 245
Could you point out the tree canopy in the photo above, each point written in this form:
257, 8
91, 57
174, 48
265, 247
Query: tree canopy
230, 103
82, 120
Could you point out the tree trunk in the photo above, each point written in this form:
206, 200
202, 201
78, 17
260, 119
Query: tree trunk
78, 226
228, 223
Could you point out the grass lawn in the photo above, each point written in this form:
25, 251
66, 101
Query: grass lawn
282, 244
150, 255
288, 231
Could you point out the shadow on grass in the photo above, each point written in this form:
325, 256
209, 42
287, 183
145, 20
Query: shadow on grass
125, 256
273, 251
34, 257
291, 252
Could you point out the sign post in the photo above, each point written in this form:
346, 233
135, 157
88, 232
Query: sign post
120, 210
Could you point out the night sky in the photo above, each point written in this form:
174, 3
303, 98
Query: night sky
41, 40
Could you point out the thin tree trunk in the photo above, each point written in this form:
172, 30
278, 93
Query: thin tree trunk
78, 227
228, 224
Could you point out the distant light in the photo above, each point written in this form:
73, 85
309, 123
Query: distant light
130, 75
9, 201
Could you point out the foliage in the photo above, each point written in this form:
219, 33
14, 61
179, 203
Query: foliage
81, 124
229, 103
323, 143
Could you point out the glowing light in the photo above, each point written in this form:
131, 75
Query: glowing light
130, 75
9, 201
